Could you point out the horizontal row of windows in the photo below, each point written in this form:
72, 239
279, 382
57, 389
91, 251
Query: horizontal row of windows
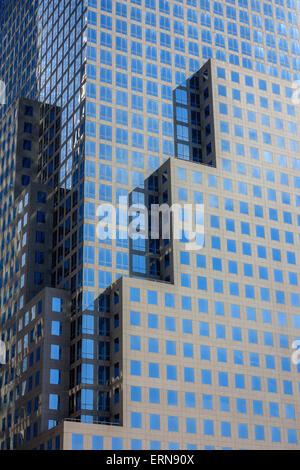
209, 428
178, 11
254, 135
186, 301
210, 402
164, 5
251, 314
276, 63
116, 443
253, 336
179, 43
250, 99
206, 377
105, 171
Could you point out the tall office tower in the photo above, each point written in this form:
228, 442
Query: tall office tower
107, 100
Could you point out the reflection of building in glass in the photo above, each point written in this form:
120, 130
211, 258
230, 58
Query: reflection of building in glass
150, 255
30, 315
194, 119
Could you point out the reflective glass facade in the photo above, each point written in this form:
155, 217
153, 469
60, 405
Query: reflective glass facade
116, 90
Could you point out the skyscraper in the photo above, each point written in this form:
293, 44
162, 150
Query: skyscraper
146, 344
